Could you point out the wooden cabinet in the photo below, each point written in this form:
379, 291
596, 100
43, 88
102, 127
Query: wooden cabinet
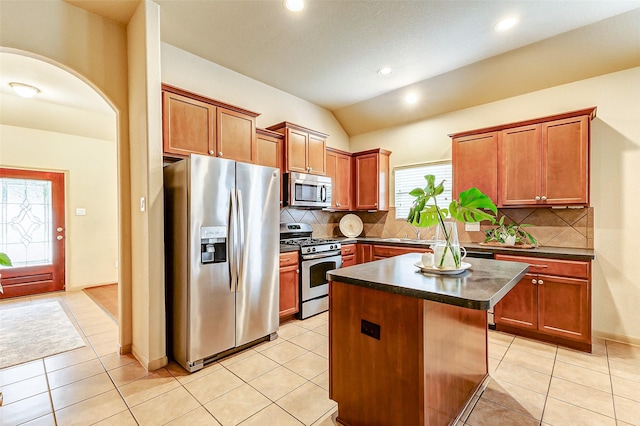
371, 179
236, 136
339, 170
289, 287
383, 252
552, 302
188, 125
304, 149
269, 148
195, 124
348, 255
369, 252
364, 253
475, 164
539, 162
545, 164
269, 151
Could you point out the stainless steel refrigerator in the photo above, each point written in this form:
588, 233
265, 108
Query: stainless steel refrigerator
221, 256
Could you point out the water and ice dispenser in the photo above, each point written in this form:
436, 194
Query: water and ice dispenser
213, 244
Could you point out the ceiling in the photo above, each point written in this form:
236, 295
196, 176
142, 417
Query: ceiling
446, 51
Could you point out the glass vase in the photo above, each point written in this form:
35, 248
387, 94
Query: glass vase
446, 250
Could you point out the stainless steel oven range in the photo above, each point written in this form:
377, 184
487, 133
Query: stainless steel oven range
317, 256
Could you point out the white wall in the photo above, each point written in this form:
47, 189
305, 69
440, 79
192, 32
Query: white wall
615, 173
90, 168
195, 74
147, 225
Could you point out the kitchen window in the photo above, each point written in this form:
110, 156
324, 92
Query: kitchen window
407, 178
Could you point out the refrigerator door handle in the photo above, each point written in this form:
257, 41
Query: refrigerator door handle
233, 240
240, 258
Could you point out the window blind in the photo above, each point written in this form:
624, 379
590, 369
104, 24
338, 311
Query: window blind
407, 178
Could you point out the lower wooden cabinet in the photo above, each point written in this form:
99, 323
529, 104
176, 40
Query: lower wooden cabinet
348, 255
369, 252
382, 252
364, 253
289, 288
552, 302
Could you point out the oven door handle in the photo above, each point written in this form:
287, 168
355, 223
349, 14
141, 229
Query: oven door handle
320, 255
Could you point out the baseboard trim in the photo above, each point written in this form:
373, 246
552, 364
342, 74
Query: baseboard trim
616, 337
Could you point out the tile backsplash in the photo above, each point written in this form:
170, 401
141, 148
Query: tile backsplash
551, 227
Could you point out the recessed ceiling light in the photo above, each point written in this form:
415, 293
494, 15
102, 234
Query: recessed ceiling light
24, 90
411, 98
385, 71
294, 5
506, 24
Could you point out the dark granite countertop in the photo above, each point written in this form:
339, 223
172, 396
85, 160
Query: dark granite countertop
284, 248
480, 287
542, 251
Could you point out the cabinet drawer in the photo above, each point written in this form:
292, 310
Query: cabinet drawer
288, 259
348, 249
539, 265
390, 251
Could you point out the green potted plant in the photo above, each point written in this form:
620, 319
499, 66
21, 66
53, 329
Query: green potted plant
4, 260
510, 234
473, 206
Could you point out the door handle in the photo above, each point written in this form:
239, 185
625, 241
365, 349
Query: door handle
233, 238
59, 237
59, 229
323, 193
241, 244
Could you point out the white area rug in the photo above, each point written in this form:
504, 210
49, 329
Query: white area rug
35, 331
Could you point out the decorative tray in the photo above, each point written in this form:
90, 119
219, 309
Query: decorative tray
442, 271
351, 225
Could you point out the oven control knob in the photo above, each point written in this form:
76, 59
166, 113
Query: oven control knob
331, 247
313, 249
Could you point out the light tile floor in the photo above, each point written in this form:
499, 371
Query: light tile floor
285, 382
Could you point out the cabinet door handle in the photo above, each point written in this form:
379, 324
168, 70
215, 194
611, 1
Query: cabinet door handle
211, 152
375, 204
540, 282
537, 198
220, 154
539, 266
297, 271
534, 281
544, 198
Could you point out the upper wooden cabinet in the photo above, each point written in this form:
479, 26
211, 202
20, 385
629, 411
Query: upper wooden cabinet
269, 148
269, 151
304, 149
371, 179
475, 164
339, 170
188, 125
540, 162
195, 124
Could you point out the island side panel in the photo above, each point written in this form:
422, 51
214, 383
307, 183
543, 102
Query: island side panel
455, 358
375, 382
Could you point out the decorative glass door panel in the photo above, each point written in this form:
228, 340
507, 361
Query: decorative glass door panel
32, 231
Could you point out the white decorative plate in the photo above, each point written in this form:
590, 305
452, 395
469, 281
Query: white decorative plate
351, 225
443, 271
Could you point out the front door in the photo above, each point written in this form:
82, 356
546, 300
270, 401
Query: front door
32, 231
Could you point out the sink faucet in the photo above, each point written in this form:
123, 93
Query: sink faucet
417, 233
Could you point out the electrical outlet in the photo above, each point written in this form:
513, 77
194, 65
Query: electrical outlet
475, 226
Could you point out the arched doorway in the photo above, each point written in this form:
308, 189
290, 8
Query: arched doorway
72, 129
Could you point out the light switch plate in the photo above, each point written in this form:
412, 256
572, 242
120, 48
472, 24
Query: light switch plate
81, 212
475, 226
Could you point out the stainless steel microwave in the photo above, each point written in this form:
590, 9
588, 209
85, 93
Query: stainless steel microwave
306, 191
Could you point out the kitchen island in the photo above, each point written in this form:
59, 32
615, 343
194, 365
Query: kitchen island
410, 348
